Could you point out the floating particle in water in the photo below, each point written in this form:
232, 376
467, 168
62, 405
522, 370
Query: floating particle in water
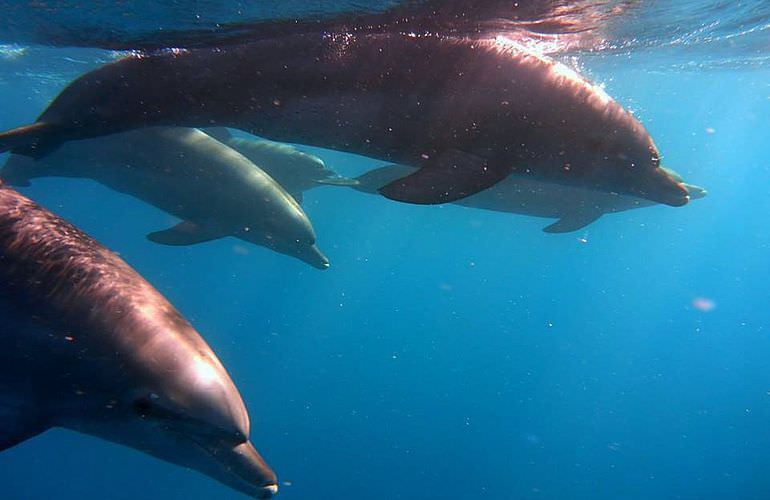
710, 131
286, 483
583, 239
614, 446
703, 304
532, 438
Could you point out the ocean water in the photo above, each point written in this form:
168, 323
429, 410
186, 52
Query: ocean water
459, 353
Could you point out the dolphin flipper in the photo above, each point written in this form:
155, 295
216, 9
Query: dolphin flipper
453, 176
16, 426
573, 221
184, 233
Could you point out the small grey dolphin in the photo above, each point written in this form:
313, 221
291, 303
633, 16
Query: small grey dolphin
574, 207
468, 111
87, 344
216, 191
296, 171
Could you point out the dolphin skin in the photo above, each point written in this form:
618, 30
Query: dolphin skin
468, 111
296, 171
575, 207
87, 344
216, 191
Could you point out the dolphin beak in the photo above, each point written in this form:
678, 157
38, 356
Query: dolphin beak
696, 192
660, 187
252, 474
316, 258
240, 467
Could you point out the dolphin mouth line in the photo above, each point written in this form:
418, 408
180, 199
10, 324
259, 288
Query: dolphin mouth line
271, 488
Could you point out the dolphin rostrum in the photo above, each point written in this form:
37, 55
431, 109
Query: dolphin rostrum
87, 344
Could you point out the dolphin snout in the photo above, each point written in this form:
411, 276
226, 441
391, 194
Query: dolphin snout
660, 187
696, 192
258, 479
315, 257
268, 491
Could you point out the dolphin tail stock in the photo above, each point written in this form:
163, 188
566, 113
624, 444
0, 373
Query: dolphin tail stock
30, 140
371, 181
338, 181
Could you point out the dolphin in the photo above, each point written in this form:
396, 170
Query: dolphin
213, 189
87, 344
468, 111
296, 171
575, 207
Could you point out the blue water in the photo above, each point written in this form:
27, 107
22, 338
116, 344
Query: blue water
458, 353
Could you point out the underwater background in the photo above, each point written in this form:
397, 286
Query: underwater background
458, 353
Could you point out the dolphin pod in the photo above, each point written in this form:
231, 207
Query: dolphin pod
467, 112
473, 118
89, 345
175, 169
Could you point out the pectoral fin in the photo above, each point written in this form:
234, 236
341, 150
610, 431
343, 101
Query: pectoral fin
16, 426
452, 176
184, 233
573, 221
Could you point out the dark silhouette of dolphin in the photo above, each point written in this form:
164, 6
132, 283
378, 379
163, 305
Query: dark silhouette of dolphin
467, 111
89, 345
574, 207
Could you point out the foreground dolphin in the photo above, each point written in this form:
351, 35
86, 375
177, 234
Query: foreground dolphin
216, 191
574, 207
89, 345
468, 111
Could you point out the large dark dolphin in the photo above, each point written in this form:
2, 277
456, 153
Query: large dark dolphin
468, 111
213, 189
89, 345
575, 207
